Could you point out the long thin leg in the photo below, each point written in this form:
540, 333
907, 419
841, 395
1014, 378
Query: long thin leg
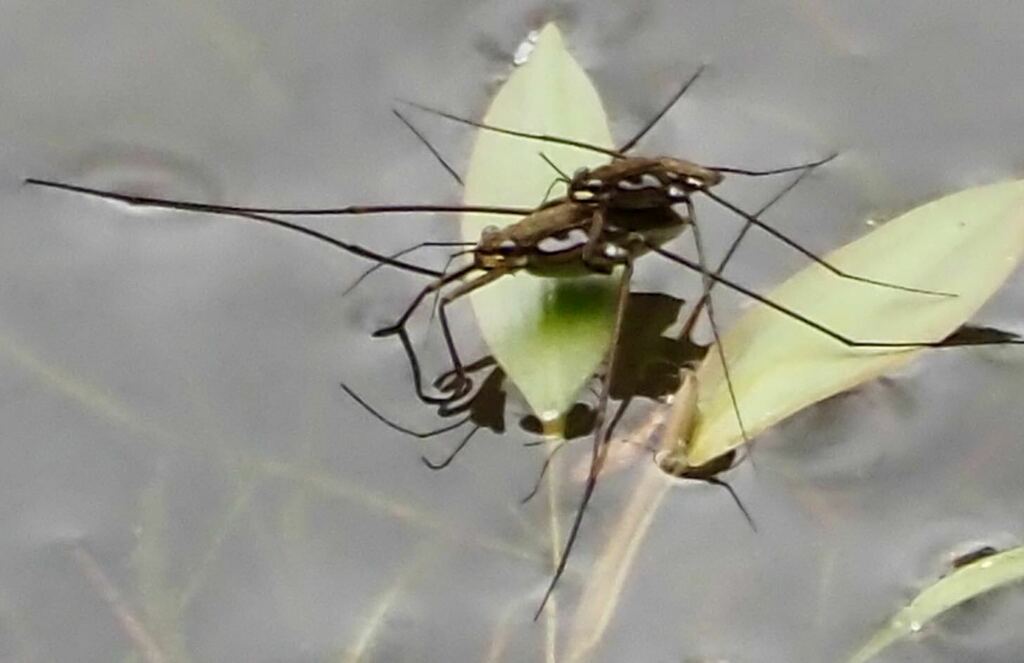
544, 138
449, 404
450, 457
629, 144
619, 413
799, 317
447, 265
439, 283
398, 328
699, 305
232, 210
594, 234
433, 150
750, 218
353, 249
562, 175
773, 171
600, 447
461, 383
621, 410
708, 473
559, 140
417, 376
399, 254
706, 296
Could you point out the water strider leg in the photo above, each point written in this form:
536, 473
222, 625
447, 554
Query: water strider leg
600, 446
462, 384
621, 152
433, 150
542, 137
699, 305
417, 375
752, 219
447, 265
235, 210
398, 328
773, 171
418, 299
705, 299
709, 472
403, 252
629, 144
706, 278
799, 317
559, 140
591, 252
353, 249
620, 410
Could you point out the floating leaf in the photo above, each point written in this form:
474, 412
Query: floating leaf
961, 585
967, 243
547, 334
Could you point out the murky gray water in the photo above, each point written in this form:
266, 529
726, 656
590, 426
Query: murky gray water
183, 479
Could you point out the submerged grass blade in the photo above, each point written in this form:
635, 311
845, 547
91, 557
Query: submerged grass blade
967, 243
959, 586
548, 334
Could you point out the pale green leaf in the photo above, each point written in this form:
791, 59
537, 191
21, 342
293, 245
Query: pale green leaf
961, 585
547, 334
967, 243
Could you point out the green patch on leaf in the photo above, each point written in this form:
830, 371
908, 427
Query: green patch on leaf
548, 334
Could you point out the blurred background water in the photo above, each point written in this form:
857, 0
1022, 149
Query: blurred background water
183, 480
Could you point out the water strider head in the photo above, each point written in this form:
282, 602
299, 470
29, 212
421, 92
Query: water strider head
521, 244
636, 183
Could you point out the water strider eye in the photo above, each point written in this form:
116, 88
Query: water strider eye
677, 193
563, 241
582, 191
639, 182
615, 252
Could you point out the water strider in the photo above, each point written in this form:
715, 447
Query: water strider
624, 209
612, 215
